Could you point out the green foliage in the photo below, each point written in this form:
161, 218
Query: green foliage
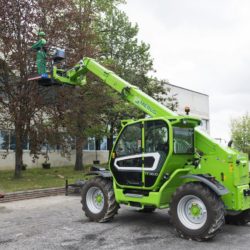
240, 131
120, 49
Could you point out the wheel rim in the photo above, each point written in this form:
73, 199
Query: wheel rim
192, 212
95, 200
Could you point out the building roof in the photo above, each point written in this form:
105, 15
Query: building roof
170, 84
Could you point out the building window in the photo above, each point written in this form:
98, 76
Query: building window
8, 141
103, 143
25, 143
4, 139
12, 141
91, 143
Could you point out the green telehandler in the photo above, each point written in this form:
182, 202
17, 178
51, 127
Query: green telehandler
164, 161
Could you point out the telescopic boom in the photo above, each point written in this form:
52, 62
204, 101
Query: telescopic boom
76, 76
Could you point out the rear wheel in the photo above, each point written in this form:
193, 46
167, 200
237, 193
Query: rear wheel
98, 200
240, 219
196, 212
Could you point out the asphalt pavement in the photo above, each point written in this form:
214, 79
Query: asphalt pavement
59, 223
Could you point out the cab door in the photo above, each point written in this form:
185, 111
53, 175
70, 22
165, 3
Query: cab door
126, 161
155, 149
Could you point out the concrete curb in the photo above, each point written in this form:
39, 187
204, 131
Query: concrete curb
32, 194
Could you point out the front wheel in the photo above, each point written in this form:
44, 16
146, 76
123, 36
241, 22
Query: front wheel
196, 212
98, 200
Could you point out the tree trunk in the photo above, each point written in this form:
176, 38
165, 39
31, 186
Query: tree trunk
79, 154
18, 154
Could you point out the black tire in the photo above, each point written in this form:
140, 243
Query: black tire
240, 219
212, 218
110, 206
147, 209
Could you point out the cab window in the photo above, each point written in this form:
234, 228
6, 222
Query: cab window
130, 141
156, 137
183, 140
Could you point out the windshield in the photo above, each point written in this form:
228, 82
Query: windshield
183, 140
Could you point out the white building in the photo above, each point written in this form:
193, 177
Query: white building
196, 101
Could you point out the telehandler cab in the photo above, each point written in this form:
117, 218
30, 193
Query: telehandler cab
164, 161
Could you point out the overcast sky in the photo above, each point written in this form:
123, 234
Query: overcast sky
203, 45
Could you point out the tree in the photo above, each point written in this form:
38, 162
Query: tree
22, 105
240, 132
20, 100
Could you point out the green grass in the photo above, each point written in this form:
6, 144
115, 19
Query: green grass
37, 178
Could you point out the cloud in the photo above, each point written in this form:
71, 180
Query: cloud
201, 45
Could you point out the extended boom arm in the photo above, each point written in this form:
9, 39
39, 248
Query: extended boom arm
130, 92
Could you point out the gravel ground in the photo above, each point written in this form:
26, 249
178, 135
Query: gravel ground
59, 223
